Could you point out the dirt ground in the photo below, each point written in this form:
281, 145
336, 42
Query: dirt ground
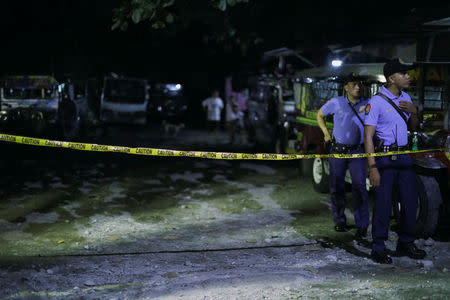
130, 228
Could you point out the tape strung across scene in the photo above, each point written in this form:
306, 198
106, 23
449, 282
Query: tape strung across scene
180, 153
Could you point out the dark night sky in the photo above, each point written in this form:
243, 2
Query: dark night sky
46, 36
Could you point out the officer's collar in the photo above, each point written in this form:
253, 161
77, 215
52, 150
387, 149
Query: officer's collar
388, 93
357, 100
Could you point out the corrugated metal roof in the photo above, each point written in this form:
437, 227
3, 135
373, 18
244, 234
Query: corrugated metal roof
371, 69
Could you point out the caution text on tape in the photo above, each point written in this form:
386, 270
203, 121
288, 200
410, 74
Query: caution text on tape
181, 153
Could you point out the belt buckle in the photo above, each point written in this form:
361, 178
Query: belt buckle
394, 157
340, 149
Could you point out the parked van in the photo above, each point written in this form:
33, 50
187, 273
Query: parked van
40, 105
124, 100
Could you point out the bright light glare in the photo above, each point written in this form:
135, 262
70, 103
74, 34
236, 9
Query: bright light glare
336, 63
381, 78
173, 87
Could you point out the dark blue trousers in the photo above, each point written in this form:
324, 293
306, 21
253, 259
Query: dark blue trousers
398, 173
358, 172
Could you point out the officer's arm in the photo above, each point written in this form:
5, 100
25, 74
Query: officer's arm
409, 107
374, 175
369, 131
321, 122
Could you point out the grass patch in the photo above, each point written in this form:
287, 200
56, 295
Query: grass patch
313, 217
230, 199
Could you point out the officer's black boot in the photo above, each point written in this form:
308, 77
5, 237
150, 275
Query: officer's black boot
381, 257
410, 250
340, 227
361, 233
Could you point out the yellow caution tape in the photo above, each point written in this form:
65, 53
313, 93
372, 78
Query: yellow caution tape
181, 153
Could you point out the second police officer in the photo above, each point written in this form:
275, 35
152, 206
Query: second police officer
348, 114
388, 115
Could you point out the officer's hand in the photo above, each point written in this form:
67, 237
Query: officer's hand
374, 177
407, 106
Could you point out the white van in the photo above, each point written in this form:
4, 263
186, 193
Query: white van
124, 100
38, 104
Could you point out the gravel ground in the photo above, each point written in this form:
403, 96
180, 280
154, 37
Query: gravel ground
191, 229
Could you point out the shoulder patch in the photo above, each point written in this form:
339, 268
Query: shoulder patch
367, 108
361, 108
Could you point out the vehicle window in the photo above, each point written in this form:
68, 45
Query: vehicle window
433, 97
166, 90
169, 96
124, 89
25, 93
321, 92
433, 86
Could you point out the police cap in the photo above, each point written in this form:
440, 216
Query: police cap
395, 65
352, 77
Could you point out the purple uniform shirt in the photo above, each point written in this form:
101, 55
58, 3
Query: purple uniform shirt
390, 126
348, 129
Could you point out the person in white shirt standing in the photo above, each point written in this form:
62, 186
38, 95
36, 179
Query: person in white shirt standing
213, 106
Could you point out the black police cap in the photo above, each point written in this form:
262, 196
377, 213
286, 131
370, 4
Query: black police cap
395, 65
352, 77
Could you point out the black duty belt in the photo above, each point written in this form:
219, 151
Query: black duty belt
341, 148
393, 148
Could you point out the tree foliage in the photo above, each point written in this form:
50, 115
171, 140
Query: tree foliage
162, 13
173, 16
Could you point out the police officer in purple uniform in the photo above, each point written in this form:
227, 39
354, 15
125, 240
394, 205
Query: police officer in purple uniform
385, 122
348, 117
